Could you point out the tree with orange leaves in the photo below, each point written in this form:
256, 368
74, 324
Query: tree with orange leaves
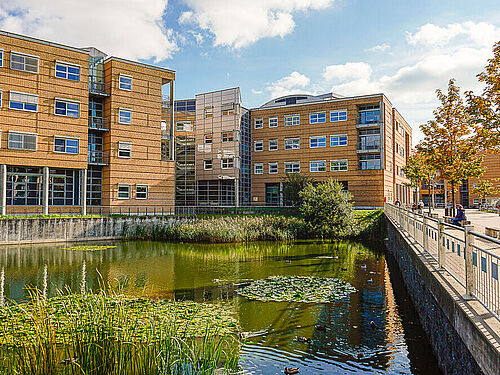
450, 140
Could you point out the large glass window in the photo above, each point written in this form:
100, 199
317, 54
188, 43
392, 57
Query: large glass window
124, 116
24, 186
338, 140
369, 161
125, 82
292, 120
272, 194
292, 166
66, 145
317, 117
63, 187
338, 115
67, 108
292, 143
317, 166
319, 141
338, 165
369, 139
369, 114
22, 141
94, 186
23, 62
23, 101
67, 71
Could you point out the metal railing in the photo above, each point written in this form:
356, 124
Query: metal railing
98, 158
471, 258
99, 88
99, 123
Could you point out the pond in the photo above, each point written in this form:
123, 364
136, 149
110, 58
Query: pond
373, 330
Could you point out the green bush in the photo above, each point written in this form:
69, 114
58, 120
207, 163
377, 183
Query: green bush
327, 209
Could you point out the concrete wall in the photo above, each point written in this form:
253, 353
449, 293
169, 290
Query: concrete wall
460, 345
16, 231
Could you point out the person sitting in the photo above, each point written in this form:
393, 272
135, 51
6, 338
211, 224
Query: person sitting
460, 215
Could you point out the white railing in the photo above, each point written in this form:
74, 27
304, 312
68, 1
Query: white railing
471, 258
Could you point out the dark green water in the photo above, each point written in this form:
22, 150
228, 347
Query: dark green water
350, 345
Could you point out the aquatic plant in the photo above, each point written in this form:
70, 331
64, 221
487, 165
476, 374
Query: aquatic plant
112, 334
89, 248
297, 289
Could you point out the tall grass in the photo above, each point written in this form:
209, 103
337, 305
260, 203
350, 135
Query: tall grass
112, 334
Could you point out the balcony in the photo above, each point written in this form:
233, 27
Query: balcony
368, 146
99, 88
98, 158
369, 124
99, 123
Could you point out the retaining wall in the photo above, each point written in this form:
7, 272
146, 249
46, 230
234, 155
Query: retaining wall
460, 344
38, 230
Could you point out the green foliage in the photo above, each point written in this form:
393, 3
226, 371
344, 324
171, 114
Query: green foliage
418, 169
293, 184
113, 334
484, 188
327, 209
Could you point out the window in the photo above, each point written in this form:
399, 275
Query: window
338, 165
141, 191
319, 141
66, 145
273, 122
369, 114
258, 145
69, 108
258, 123
125, 150
23, 62
227, 136
317, 117
24, 186
228, 109
125, 82
273, 144
209, 112
273, 168
123, 191
207, 164
292, 143
227, 163
338, 115
208, 139
184, 126
22, 141
292, 120
317, 166
292, 166
125, 116
338, 140
370, 161
67, 71
475, 201
1, 97
273, 194
1, 58
369, 139
258, 168
23, 101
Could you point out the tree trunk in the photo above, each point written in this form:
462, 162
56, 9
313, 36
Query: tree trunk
453, 199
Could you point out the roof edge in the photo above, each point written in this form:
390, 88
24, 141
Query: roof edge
41, 41
137, 63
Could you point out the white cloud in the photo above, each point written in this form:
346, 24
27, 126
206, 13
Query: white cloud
384, 47
291, 84
240, 23
352, 78
126, 28
257, 92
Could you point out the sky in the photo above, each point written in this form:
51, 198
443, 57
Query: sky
270, 48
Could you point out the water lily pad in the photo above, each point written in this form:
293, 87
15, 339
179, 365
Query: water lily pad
306, 289
89, 248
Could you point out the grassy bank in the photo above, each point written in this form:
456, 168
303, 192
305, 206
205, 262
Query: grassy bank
251, 228
113, 334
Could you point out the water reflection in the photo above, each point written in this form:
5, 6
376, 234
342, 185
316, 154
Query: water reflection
365, 332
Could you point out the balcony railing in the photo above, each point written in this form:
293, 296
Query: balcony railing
369, 124
99, 123
99, 88
98, 158
366, 148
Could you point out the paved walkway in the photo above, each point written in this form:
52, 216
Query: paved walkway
479, 219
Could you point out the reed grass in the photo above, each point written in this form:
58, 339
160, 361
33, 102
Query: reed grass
110, 334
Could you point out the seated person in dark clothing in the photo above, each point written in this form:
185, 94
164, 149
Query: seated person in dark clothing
460, 215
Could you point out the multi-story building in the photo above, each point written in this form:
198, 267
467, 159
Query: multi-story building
222, 141
80, 129
361, 141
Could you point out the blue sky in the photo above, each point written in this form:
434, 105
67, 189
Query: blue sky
269, 48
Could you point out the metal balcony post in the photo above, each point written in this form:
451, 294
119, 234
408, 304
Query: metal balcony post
470, 275
441, 249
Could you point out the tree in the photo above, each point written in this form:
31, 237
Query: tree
293, 184
485, 109
450, 140
484, 188
327, 208
418, 170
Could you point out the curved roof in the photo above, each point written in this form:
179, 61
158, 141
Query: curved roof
299, 99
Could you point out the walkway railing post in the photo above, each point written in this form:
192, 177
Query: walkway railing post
425, 237
470, 276
414, 226
440, 247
